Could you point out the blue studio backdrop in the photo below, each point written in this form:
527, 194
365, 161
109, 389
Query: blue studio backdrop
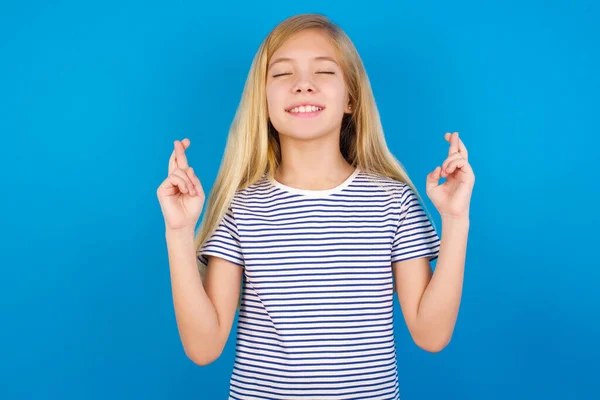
93, 94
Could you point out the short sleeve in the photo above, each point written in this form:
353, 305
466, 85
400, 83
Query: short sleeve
415, 234
224, 242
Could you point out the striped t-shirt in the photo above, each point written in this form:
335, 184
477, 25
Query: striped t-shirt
316, 317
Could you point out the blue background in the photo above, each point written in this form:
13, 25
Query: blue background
93, 95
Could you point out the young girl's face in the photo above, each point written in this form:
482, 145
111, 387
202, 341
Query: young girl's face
306, 92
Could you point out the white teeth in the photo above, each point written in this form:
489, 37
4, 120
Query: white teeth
305, 109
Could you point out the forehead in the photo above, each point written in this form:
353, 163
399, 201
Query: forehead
310, 43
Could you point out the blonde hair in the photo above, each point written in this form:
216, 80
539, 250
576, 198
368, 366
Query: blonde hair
252, 149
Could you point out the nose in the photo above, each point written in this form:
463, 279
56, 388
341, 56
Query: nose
304, 85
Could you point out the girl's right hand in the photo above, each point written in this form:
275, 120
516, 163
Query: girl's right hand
181, 196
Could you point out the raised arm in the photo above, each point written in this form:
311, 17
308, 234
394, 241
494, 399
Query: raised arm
204, 314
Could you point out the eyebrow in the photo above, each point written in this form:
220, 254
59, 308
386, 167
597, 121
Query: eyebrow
320, 58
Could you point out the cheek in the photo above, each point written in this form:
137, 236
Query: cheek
274, 100
336, 92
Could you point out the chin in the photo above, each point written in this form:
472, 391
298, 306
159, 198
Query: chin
304, 129
304, 133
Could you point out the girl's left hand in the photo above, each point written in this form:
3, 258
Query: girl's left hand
452, 198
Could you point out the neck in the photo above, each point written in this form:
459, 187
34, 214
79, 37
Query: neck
316, 164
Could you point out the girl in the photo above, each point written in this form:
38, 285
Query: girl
312, 226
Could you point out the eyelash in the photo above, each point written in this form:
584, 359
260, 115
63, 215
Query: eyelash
318, 72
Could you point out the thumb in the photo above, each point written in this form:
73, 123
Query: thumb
433, 178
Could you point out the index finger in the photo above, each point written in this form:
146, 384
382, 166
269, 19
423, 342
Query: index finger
462, 148
453, 144
456, 144
173, 160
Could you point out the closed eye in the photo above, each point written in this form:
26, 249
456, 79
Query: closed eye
318, 72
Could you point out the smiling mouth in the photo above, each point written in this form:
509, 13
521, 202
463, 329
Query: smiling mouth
305, 111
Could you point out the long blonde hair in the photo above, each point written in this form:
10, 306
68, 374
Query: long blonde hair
252, 149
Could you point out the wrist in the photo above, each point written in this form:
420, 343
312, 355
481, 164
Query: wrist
180, 232
455, 219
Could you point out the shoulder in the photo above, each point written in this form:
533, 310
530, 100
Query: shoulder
395, 188
254, 193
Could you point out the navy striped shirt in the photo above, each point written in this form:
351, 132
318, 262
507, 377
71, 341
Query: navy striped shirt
316, 318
